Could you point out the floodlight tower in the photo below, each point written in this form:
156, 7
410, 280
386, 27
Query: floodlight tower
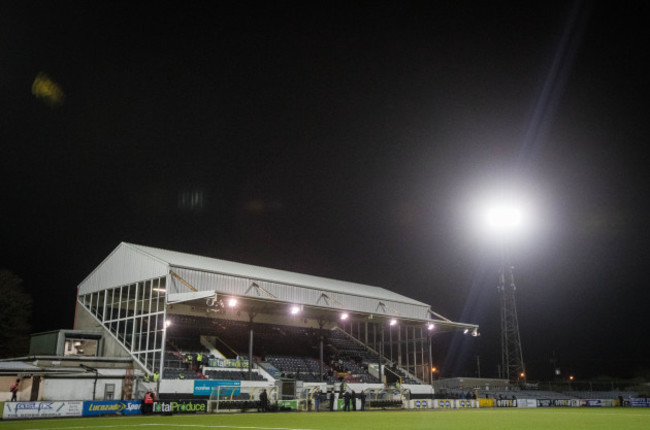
505, 220
512, 360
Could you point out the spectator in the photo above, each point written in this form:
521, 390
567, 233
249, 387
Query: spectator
332, 399
14, 390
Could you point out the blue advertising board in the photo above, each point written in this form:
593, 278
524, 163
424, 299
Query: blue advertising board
640, 402
112, 407
421, 404
204, 387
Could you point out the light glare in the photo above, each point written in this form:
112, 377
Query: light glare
505, 217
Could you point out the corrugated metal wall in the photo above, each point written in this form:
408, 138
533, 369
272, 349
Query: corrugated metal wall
123, 266
295, 294
127, 265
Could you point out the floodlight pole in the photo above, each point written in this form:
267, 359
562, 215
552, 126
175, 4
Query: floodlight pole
512, 361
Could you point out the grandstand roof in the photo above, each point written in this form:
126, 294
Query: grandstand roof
130, 263
197, 262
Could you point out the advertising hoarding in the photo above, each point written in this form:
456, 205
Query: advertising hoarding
180, 406
112, 407
19, 410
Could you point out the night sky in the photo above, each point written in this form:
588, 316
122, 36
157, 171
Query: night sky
350, 140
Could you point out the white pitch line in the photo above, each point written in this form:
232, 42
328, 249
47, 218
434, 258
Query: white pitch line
83, 427
223, 427
169, 425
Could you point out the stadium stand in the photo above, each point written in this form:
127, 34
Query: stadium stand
280, 348
162, 306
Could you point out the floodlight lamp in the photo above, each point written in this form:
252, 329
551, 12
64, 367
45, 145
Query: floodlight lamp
475, 332
430, 326
344, 316
232, 302
466, 331
505, 217
393, 322
295, 310
167, 323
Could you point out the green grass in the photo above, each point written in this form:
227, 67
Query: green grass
467, 419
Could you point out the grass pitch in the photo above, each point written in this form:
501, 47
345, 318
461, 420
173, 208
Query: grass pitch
468, 419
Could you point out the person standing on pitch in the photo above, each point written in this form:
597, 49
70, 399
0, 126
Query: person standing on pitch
264, 401
317, 399
147, 404
346, 400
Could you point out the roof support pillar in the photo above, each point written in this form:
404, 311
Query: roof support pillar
424, 378
390, 341
365, 332
430, 369
399, 346
251, 316
406, 344
381, 356
415, 353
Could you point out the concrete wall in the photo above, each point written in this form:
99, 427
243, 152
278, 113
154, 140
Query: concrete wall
24, 392
109, 347
57, 389
84, 320
78, 389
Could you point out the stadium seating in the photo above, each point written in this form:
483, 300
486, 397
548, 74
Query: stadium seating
289, 351
171, 373
234, 375
602, 394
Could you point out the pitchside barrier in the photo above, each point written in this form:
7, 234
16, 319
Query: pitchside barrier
554, 403
169, 407
26, 410
29, 410
454, 403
